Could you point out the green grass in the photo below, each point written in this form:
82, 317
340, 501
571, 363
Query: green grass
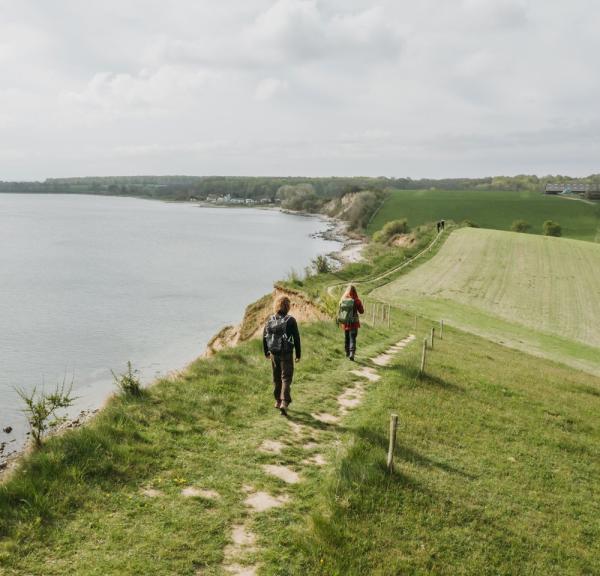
75, 507
491, 209
497, 465
531, 292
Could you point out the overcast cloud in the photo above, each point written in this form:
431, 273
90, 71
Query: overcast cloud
299, 87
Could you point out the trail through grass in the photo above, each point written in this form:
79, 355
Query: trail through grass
107, 499
497, 465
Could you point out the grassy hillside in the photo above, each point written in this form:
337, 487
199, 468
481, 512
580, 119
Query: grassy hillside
496, 470
491, 209
493, 445
544, 291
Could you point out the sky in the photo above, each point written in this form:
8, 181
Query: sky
427, 88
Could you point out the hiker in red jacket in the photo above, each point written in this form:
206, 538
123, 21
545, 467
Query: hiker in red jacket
349, 309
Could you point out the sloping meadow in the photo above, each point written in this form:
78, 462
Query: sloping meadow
495, 469
536, 293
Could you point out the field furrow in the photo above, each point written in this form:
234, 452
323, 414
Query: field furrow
549, 285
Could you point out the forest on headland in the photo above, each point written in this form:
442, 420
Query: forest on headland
201, 187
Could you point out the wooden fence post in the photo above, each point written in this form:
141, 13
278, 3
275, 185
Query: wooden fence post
415, 321
393, 429
382, 312
441, 329
432, 337
423, 356
389, 315
373, 306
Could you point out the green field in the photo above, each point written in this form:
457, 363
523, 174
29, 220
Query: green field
491, 209
537, 293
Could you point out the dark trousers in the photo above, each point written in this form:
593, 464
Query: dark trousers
283, 372
350, 341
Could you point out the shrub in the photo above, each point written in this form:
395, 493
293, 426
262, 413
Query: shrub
520, 226
129, 382
470, 224
40, 409
293, 277
321, 264
552, 228
390, 230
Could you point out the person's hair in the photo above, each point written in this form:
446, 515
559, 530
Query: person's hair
350, 292
282, 304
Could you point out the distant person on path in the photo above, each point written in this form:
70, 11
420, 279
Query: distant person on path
439, 225
349, 308
281, 339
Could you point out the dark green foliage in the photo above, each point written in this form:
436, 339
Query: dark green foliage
321, 264
520, 226
185, 187
300, 197
391, 229
469, 224
552, 228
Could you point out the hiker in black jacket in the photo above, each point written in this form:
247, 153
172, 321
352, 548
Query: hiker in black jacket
281, 339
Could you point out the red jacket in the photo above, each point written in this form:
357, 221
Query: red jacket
358, 308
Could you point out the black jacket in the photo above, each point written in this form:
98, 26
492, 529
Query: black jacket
291, 330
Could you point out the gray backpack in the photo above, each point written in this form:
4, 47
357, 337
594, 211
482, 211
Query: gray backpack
276, 335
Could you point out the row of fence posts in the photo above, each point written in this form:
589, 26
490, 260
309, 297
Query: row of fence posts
428, 343
381, 312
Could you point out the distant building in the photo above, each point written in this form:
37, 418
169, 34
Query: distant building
554, 189
566, 188
590, 191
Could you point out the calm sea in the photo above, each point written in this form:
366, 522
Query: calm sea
88, 283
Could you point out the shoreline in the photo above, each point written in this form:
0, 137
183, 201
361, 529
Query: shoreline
336, 230
352, 244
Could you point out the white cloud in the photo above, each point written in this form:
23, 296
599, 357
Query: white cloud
269, 88
299, 31
298, 87
147, 91
496, 14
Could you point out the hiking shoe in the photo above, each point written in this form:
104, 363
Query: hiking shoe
283, 411
351, 357
278, 404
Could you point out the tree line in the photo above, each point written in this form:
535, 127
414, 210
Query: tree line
201, 187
